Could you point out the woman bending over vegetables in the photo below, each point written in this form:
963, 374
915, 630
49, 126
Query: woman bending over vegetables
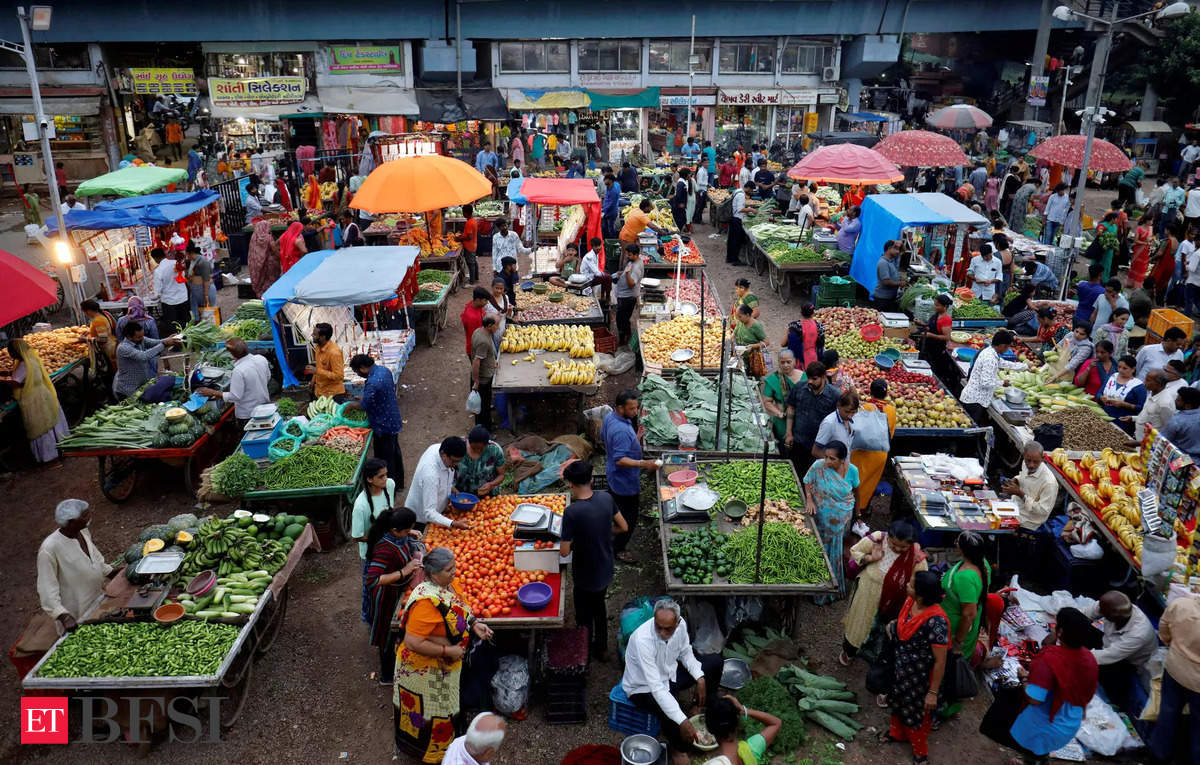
723, 721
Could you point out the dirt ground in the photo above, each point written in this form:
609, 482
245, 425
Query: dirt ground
313, 695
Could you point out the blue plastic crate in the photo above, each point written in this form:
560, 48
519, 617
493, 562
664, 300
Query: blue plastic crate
626, 718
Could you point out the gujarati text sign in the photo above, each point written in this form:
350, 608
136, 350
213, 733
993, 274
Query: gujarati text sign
256, 91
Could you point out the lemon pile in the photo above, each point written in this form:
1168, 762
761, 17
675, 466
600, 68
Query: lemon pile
576, 340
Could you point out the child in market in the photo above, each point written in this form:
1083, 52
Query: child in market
1116, 333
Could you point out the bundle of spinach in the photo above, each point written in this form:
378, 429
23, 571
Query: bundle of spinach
767, 694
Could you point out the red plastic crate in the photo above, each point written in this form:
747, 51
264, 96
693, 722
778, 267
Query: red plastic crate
605, 341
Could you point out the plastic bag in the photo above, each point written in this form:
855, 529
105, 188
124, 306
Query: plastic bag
1089, 551
1102, 730
634, 614
318, 425
703, 617
340, 417
474, 402
922, 309
510, 685
1158, 556
743, 609
871, 432
620, 363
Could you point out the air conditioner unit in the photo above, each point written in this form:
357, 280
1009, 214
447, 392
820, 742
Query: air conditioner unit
828, 74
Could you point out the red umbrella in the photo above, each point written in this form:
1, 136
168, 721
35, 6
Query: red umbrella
1068, 150
920, 148
23, 288
846, 163
959, 117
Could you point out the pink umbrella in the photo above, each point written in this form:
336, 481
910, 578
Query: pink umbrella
920, 148
1068, 150
846, 163
23, 288
959, 117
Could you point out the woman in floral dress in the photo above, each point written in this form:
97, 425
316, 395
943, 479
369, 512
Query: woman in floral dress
922, 635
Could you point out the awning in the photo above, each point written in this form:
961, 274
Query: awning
623, 99
309, 107
884, 216
444, 105
150, 210
566, 98
131, 181
379, 99
863, 117
75, 106
1148, 126
1031, 124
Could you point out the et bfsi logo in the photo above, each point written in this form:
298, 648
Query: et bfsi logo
44, 720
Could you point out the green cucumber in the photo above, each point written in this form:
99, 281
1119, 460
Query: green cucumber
230, 615
243, 608
208, 614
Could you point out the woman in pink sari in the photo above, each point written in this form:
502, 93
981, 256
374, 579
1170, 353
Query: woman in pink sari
291, 246
262, 261
518, 150
991, 194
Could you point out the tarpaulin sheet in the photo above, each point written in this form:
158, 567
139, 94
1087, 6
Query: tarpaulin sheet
614, 99
351, 276
444, 105
149, 210
561, 191
567, 98
956, 211
485, 104
883, 217
131, 181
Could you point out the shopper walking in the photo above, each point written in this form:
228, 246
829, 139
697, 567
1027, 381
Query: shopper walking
921, 632
392, 557
483, 367
628, 291
589, 524
1179, 629
623, 464
885, 561
966, 586
737, 231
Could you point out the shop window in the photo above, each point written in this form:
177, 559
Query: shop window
58, 56
517, 57
806, 59
610, 56
672, 55
243, 65
747, 58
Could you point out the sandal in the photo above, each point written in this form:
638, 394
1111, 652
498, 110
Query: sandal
843, 659
626, 557
920, 761
881, 701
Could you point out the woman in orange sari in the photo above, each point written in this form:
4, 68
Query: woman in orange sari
870, 462
291, 246
437, 626
1164, 265
1139, 262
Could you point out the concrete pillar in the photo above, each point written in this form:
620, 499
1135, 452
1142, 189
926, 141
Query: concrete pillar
1040, 46
1149, 103
853, 93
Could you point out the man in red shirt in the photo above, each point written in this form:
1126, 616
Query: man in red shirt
60, 177
470, 242
727, 172
472, 314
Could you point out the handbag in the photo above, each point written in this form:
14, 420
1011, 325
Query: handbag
870, 432
756, 363
882, 672
960, 681
852, 568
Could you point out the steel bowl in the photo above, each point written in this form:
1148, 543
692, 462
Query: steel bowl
640, 749
735, 674
683, 354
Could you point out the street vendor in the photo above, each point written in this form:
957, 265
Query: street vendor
328, 371
247, 383
1036, 488
71, 572
102, 328
383, 412
432, 482
134, 355
506, 244
659, 663
637, 221
983, 377
479, 471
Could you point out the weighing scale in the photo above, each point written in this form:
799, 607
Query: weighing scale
264, 417
691, 505
158, 566
536, 522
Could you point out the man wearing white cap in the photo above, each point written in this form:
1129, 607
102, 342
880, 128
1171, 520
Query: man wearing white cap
71, 571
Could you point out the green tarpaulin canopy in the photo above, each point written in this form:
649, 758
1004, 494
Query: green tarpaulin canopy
131, 181
642, 99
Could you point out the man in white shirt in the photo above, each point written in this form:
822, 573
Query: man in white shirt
658, 664
986, 269
1129, 643
71, 572
1157, 355
172, 294
1159, 406
482, 742
1191, 210
737, 231
432, 482
1057, 207
506, 243
1036, 488
701, 191
247, 383
745, 175
1188, 255
1190, 155
589, 266
981, 383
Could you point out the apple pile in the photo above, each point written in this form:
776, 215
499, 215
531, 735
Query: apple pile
839, 321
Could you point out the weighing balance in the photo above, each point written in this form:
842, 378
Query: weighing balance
264, 417
158, 566
691, 505
536, 522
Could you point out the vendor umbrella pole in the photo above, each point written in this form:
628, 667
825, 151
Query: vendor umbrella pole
762, 508
728, 375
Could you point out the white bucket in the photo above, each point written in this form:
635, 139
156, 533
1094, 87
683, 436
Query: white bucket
687, 436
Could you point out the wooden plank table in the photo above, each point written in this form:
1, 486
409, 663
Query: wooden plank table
531, 378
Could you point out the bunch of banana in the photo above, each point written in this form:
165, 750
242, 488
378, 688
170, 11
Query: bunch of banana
1059, 457
1112, 459
577, 340
571, 372
1135, 461
1072, 472
1089, 495
1099, 470
273, 555
1087, 461
222, 545
1129, 476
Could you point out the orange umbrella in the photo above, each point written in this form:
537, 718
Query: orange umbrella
419, 184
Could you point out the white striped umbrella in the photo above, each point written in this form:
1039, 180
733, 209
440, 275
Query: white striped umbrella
959, 117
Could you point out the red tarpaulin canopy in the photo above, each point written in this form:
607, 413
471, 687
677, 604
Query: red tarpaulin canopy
23, 288
568, 191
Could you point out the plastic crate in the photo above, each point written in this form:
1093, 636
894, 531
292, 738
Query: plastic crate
626, 718
605, 340
1162, 319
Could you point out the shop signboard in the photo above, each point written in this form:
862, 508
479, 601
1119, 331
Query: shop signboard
1038, 87
256, 91
154, 81
697, 100
363, 59
810, 122
610, 79
765, 97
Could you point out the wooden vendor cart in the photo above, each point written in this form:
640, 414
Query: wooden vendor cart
432, 316
791, 279
531, 379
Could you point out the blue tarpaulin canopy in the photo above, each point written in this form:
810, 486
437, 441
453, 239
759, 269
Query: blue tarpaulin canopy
863, 117
883, 218
150, 210
348, 277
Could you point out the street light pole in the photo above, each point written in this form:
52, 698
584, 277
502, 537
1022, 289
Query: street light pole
687, 125
1092, 110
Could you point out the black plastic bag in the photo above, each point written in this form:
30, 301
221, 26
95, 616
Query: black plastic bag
960, 681
882, 672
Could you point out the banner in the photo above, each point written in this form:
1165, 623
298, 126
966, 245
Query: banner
156, 81
256, 91
356, 59
1038, 87
766, 97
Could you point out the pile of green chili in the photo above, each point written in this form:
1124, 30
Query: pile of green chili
742, 479
311, 467
141, 649
788, 557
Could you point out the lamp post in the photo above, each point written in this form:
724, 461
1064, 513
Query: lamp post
687, 123
39, 19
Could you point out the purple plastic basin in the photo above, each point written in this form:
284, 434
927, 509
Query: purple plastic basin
535, 596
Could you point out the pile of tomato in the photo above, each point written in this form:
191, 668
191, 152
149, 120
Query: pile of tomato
483, 555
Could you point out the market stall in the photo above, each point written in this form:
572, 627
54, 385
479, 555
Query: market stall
131, 181
119, 235
326, 286
155, 605
536, 193
793, 258
550, 304
949, 495
675, 255
713, 540
712, 417
429, 307
546, 360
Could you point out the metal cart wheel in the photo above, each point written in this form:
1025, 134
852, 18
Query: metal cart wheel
236, 692
191, 474
760, 262
431, 329
275, 625
773, 276
785, 288
343, 514
118, 477
443, 314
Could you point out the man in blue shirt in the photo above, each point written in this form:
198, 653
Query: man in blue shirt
624, 463
1043, 278
628, 177
589, 138
691, 149
710, 155
1183, 429
611, 208
756, 156
486, 158
1088, 292
383, 413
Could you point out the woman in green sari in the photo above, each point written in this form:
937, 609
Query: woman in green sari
966, 586
1108, 226
776, 387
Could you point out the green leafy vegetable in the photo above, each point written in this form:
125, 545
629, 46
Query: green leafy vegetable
235, 475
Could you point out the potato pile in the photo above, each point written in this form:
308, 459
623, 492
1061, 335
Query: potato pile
56, 348
664, 338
